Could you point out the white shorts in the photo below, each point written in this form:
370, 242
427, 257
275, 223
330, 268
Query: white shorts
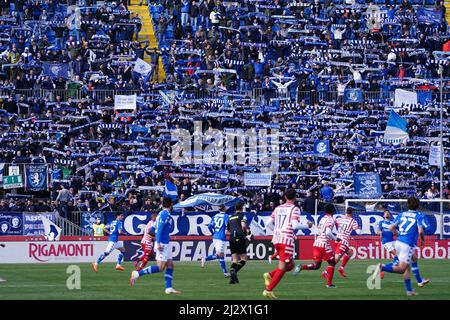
113, 245
165, 254
389, 246
219, 245
404, 251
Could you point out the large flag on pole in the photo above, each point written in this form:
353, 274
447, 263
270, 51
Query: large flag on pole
171, 190
396, 129
142, 67
51, 231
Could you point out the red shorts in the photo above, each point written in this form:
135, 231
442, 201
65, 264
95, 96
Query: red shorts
341, 248
147, 248
286, 253
320, 254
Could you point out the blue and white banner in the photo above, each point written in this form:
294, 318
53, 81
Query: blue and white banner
257, 179
207, 199
32, 223
11, 224
36, 177
321, 147
55, 70
171, 190
429, 16
52, 232
196, 223
396, 129
353, 96
88, 219
367, 185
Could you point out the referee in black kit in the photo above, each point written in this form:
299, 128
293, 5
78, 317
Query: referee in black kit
239, 234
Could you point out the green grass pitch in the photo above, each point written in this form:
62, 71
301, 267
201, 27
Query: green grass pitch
48, 281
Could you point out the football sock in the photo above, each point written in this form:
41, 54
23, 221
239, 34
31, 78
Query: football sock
240, 265
233, 267
151, 269
223, 265
102, 256
311, 266
272, 273
416, 272
330, 271
345, 259
408, 285
143, 263
395, 261
120, 258
211, 257
278, 274
388, 267
168, 276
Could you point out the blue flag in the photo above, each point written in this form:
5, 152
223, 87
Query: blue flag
353, 96
171, 190
429, 16
36, 177
424, 97
321, 147
367, 185
55, 70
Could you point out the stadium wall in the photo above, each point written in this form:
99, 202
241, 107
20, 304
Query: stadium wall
20, 249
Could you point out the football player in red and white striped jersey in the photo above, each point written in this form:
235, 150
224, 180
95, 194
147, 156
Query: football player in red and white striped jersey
322, 249
286, 219
345, 225
146, 244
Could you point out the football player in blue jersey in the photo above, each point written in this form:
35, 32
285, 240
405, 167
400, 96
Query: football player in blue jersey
162, 228
114, 229
410, 225
218, 227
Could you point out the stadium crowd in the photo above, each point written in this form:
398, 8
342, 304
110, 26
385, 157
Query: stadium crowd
217, 55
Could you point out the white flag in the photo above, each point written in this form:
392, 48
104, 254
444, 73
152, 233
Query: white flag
92, 56
51, 231
404, 97
142, 67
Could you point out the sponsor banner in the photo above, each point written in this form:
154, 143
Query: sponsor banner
11, 224
371, 248
36, 177
55, 252
434, 158
257, 179
32, 223
122, 102
195, 250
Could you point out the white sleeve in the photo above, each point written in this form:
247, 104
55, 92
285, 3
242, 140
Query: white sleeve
330, 234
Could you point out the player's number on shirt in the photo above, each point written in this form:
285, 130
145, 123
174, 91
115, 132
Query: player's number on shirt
218, 223
406, 224
281, 219
113, 228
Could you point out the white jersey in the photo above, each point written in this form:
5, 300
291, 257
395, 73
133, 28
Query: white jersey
322, 239
283, 216
147, 238
345, 226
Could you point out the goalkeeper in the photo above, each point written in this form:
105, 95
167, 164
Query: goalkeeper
240, 235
